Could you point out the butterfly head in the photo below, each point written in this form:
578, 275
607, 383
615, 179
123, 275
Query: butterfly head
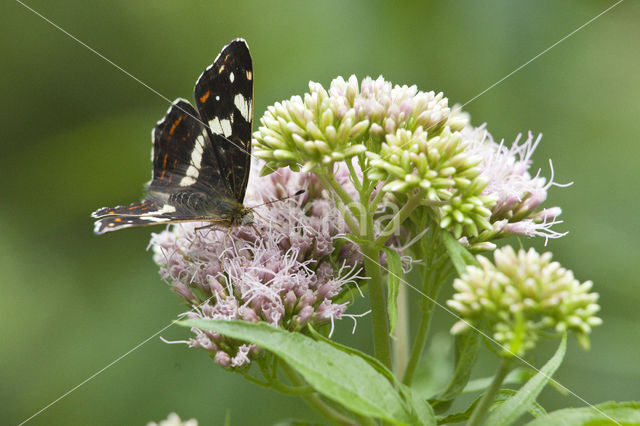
242, 217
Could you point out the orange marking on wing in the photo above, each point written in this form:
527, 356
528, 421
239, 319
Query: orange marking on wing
164, 162
175, 162
204, 97
117, 219
221, 69
163, 172
174, 125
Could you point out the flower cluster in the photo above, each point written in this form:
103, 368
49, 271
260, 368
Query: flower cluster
442, 169
522, 295
414, 145
284, 270
336, 124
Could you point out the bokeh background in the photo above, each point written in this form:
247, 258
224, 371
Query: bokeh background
75, 136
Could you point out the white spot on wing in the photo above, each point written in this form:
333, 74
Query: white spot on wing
226, 127
196, 154
193, 171
188, 180
165, 209
97, 226
215, 126
155, 219
231, 77
249, 75
243, 105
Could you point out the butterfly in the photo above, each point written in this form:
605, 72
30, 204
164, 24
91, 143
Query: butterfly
201, 157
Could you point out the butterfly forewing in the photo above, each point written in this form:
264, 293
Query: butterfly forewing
183, 157
224, 97
201, 158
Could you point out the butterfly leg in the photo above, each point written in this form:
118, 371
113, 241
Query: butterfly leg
199, 228
214, 222
257, 231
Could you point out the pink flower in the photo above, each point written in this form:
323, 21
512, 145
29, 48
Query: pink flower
280, 270
518, 194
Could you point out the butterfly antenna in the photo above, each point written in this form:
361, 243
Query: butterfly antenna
280, 199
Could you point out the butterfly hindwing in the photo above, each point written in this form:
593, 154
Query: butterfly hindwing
224, 98
147, 212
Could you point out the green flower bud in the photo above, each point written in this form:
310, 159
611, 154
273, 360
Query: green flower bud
521, 296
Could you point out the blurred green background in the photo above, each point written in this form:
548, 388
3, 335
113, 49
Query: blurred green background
75, 137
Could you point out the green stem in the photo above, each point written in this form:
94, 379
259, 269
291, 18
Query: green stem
379, 316
432, 287
395, 222
374, 203
354, 176
343, 201
315, 401
490, 394
401, 343
434, 273
364, 229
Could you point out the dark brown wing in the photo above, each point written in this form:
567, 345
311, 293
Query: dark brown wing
183, 156
224, 98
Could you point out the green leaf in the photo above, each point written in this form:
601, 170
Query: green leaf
461, 416
607, 413
374, 362
343, 377
434, 372
536, 409
515, 377
467, 345
460, 256
393, 284
514, 407
421, 410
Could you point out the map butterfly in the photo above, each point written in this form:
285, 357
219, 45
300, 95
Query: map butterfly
201, 156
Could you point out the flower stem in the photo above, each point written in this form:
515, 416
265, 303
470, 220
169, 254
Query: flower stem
374, 203
314, 401
344, 202
490, 394
396, 221
401, 343
364, 229
433, 274
379, 317
432, 287
354, 176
